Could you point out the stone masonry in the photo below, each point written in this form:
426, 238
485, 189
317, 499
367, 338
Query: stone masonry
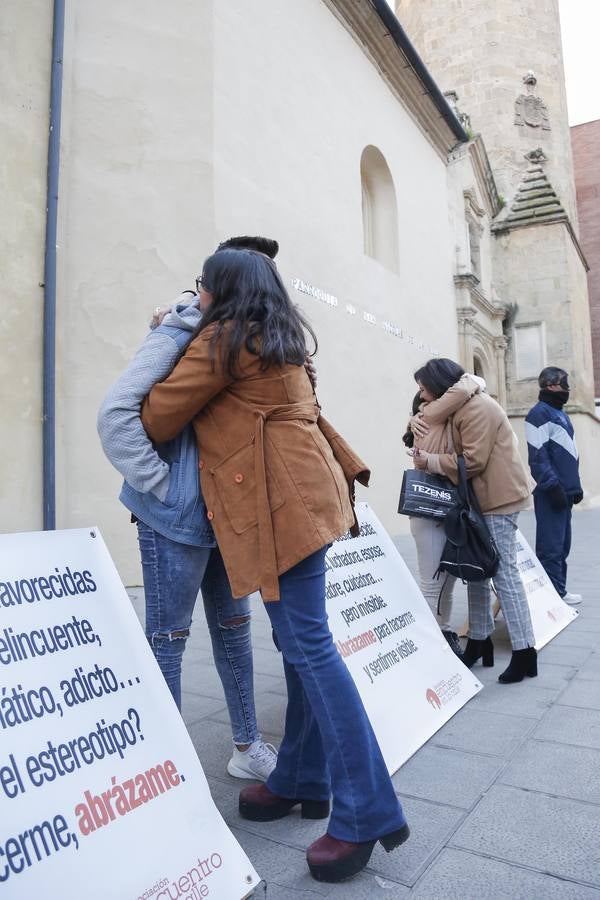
585, 140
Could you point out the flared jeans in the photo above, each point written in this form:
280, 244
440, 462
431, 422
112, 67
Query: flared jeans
329, 748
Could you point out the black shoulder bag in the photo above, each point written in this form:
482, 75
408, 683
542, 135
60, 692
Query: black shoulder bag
470, 552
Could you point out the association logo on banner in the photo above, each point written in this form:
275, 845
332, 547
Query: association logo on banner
444, 691
433, 698
189, 885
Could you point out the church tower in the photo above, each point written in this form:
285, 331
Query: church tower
504, 61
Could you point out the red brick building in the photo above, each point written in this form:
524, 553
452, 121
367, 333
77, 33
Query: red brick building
585, 140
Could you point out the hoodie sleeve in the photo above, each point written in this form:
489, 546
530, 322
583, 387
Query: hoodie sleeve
439, 411
537, 431
120, 428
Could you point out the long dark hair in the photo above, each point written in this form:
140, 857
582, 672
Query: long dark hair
408, 438
248, 293
438, 375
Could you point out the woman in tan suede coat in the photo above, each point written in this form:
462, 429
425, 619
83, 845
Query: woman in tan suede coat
278, 483
276, 477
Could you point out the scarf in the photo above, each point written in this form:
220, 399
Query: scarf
557, 399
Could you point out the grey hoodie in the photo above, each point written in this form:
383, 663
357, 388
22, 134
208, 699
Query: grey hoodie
120, 428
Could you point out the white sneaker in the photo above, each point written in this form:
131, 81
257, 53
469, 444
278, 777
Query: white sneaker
256, 763
572, 599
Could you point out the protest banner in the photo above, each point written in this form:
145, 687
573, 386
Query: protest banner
410, 681
101, 791
549, 613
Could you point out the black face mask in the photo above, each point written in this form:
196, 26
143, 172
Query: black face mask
554, 398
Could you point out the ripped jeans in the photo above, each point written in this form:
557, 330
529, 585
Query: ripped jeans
173, 575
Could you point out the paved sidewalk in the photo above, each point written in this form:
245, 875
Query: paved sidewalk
503, 802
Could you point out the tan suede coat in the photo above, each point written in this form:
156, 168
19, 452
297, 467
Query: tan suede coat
482, 433
276, 477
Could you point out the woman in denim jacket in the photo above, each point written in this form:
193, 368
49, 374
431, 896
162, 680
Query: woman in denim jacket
177, 546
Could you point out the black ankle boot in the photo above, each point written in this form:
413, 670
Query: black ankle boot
453, 641
483, 650
522, 662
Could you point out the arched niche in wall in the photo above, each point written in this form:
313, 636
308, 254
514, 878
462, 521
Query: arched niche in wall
379, 209
478, 366
483, 367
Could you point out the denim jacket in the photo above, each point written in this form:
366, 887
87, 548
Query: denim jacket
162, 485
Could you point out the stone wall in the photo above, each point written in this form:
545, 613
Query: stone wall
586, 157
482, 51
539, 270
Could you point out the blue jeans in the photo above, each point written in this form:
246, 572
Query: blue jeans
553, 539
329, 746
173, 575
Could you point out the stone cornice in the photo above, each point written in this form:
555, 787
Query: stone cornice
484, 176
364, 23
471, 283
500, 228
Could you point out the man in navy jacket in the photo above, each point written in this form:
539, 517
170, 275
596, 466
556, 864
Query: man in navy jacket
554, 464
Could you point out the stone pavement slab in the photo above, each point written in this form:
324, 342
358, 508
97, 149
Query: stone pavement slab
528, 698
549, 834
558, 769
569, 725
461, 875
447, 776
591, 669
583, 694
564, 655
480, 731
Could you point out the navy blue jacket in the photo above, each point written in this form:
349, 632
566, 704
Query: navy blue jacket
553, 455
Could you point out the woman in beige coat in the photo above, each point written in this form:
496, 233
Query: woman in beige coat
278, 482
483, 435
429, 534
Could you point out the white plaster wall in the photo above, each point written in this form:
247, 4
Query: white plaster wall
296, 102
25, 57
135, 218
184, 126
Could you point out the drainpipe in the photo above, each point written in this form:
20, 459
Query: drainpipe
49, 338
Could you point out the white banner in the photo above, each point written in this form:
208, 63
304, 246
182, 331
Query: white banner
101, 791
549, 613
410, 681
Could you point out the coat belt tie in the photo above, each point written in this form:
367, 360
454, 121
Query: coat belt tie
307, 412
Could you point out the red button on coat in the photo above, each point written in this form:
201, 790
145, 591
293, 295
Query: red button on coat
210, 515
239, 478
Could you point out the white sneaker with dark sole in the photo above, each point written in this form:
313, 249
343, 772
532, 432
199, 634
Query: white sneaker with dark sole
256, 763
572, 599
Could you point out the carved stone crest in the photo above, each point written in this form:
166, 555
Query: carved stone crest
529, 109
536, 156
